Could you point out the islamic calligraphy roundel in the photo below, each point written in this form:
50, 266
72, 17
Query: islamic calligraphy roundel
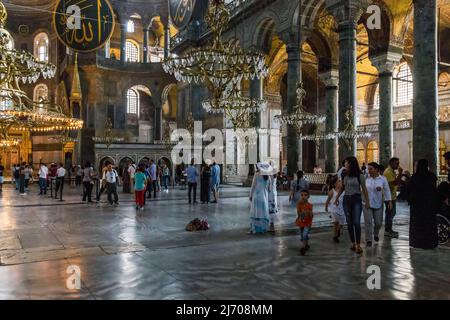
84, 25
181, 12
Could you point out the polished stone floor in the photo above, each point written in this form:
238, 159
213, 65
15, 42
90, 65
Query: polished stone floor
122, 256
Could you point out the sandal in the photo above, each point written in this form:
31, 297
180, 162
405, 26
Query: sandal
359, 250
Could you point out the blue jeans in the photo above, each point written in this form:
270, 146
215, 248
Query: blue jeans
304, 233
43, 186
166, 182
17, 181
390, 214
353, 210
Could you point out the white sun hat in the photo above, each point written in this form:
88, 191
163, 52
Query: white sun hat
265, 168
208, 162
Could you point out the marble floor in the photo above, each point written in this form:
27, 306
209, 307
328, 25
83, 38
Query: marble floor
122, 256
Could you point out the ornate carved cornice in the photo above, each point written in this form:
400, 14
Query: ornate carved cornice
386, 62
347, 11
330, 78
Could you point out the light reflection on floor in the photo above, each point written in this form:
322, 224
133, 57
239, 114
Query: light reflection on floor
122, 256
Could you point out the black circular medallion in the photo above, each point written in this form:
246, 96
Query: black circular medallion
84, 25
181, 12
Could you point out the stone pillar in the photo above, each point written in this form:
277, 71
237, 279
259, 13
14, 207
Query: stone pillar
166, 42
385, 64
347, 14
158, 122
294, 76
331, 81
425, 73
145, 45
123, 43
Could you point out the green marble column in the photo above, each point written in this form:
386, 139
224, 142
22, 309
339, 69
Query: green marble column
347, 82
123, 42
425, 73
331, 81
385, 63
294, 146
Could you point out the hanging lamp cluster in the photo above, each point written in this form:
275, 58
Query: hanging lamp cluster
17, 111
221, 66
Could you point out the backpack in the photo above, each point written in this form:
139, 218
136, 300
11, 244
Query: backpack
197, 225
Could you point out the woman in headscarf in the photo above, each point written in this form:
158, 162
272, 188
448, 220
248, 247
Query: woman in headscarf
205, 189
259, 198
423, 199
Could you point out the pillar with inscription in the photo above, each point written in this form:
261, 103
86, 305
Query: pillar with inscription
385, 64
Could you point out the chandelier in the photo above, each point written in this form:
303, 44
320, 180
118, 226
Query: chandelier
351, 133
108, 138
220, 66
17, 111
299, 116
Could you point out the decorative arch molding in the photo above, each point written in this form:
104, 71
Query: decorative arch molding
265, 28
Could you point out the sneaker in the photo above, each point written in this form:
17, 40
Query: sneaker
368, 244
377, 239
116, 204
336, 239
137, 207
142, 209
391, 234
353, 247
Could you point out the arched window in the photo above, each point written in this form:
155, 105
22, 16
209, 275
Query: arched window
130, 26
41, 47
131, 51
133, 102
40, 92
403, 85
376, 99
361, 154
372, 152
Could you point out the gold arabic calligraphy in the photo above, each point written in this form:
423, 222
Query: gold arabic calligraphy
90, 14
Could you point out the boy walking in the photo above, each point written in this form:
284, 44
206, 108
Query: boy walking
304, 220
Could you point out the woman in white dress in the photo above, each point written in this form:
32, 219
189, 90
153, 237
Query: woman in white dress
259, 198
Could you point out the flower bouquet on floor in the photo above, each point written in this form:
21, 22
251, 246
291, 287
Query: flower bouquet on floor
198, 225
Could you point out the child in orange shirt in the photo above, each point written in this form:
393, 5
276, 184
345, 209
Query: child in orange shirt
304, 220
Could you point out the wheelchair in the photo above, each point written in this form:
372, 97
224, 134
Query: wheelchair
443, 215
443, 225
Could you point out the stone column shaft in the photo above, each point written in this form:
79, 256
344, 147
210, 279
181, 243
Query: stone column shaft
386, 124
332, 112
158, 123
294, 76
347, 82
123, 43
425, 72
385, 63
145, 46
257, 92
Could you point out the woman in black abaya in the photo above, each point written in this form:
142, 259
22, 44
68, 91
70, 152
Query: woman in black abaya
423, 199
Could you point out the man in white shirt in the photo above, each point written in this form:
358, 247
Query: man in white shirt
111, 185
379, 191
60, 174
43, 173
132, 172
